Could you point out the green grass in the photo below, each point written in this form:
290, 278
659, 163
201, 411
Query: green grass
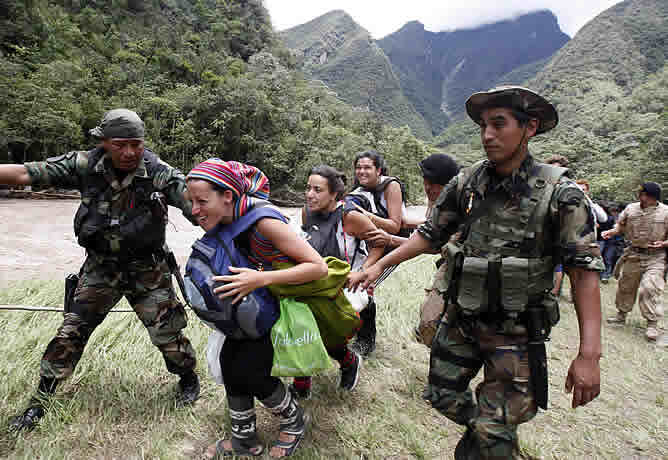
119, 402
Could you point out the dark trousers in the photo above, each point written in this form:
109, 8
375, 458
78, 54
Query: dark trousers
246, 366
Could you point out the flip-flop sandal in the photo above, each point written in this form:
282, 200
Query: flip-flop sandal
238, 450
290, 447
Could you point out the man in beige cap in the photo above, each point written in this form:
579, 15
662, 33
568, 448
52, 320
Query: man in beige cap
520, 219
645, 225
125, 189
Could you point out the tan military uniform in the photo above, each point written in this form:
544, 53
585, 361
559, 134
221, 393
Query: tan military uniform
642, 273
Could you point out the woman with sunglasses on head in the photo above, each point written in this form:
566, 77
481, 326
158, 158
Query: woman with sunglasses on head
333, 233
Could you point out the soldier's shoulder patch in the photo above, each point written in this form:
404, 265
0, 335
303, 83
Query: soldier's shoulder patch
59, 158
569, 193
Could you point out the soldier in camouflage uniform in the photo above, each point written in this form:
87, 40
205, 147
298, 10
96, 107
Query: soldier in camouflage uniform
521, 218
121, 222
645, 225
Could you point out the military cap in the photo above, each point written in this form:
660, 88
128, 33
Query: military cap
439, 168
514, 97
652, 189
119, 123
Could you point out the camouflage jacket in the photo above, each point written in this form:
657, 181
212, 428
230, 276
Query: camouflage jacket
567, 235
125, 222
511, 230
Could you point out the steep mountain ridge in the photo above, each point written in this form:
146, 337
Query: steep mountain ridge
335, 49
414, 76
455, 64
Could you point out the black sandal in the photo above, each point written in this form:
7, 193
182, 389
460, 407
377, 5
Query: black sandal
290, 447
238, 449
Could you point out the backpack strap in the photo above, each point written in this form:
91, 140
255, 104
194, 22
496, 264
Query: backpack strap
231, 231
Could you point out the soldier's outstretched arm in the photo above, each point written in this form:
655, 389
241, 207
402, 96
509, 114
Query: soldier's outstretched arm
584, 375
416, 245
14, 175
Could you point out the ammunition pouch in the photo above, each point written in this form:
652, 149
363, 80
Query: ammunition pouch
538, 325
71, 283
454, 256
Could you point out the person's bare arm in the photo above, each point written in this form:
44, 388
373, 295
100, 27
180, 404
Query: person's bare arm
14, 175
584, 375
374, 256
416, 245
309, 265
357, 224
618, 228
392, 224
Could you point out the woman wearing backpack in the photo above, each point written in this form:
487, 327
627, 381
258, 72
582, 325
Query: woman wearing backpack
222, 193
333, 232
381, 199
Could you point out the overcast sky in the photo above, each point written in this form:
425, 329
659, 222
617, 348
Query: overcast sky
382, 17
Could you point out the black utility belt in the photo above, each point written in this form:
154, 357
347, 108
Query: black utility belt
647, 250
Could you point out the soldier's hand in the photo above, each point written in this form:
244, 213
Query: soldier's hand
606, 234
243, 283
377, 237
584, 380
371, 274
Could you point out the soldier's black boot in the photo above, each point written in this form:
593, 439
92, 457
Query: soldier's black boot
465, 449
189, 386
36, 410
366, 337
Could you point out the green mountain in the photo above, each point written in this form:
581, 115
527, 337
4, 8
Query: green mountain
209, 78
416, 77
336, 50
439, 70
610, 85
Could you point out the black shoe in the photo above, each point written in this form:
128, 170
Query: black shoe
299, 393
350, 374
189, 386
366, 337
28, 420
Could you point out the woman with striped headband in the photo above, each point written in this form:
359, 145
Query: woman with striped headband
222, 192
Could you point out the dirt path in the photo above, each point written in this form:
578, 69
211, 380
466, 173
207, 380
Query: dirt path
37, 240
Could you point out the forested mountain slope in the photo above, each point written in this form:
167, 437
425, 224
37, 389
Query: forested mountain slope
416, 77
335, 49
209, 78
610, 85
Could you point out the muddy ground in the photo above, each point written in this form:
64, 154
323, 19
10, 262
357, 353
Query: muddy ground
37, 240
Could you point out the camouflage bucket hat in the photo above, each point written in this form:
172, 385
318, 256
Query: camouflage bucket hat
514, 97
119, 123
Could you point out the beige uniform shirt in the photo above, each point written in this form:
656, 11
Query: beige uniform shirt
644, 226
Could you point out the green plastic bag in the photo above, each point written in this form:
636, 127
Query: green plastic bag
298, 347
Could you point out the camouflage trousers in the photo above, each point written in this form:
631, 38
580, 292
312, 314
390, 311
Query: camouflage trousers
148, 287
642, 276
504, 399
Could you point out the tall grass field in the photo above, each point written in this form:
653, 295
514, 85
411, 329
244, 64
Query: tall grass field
119, 404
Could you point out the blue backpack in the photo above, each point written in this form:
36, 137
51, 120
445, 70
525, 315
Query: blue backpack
212, 255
